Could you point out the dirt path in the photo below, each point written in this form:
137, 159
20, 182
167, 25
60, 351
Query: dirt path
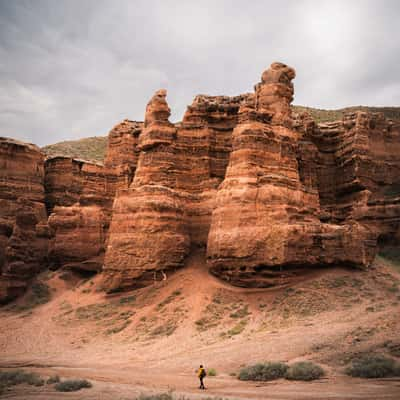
118, 385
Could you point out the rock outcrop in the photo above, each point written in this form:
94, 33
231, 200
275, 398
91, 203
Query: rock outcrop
23, 220
79, 198
266, 228
358, 167
267, 194
148, 234
122, 152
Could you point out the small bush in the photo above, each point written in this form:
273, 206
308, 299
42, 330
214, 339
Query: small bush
263, 371
17, 377
304, 371
373, 366
162, 396
53, 379
72, 385
211, 372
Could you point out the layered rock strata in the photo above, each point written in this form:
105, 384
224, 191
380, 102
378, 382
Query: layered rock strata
23, 220
148, 234
122, 151
358, 167
79, 199
268, 195
266, 228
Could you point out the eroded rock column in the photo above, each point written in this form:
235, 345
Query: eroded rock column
148, 234
265, 228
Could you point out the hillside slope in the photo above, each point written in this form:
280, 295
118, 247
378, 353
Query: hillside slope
94, 148
334, 115
153, 338
91, 148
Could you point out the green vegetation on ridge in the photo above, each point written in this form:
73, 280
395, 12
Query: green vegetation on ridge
333, 115
90, 149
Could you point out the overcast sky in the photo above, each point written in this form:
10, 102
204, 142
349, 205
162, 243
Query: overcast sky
72, 69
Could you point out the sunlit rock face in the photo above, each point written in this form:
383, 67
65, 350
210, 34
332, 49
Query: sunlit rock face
23, 219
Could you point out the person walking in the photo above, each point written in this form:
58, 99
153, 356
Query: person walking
201, 373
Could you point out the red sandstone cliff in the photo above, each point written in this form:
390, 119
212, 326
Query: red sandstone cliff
266, 228
79, 198
23, 219
268, 194
148, 233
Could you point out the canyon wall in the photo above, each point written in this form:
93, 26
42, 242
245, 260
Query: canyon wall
79, 198
24, 231
269, 195
266, 226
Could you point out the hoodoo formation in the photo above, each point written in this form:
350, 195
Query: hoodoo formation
267, 194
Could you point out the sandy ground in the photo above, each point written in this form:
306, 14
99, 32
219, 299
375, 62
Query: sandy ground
153, 339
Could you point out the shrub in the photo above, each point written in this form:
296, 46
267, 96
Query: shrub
11, 378
238, 328
72, 385
263, 371
53, 379
304, 371
211, 372
162, 396
373, 366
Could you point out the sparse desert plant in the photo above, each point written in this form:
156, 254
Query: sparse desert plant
393, 347
96, 311
72, 385
12, 378
304, 371
166, 329
238, 328
263, 371
169, 299
39, 294
161, 396
241, 312
211, 372
373, 366
127, 300
53, 379
118, 328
